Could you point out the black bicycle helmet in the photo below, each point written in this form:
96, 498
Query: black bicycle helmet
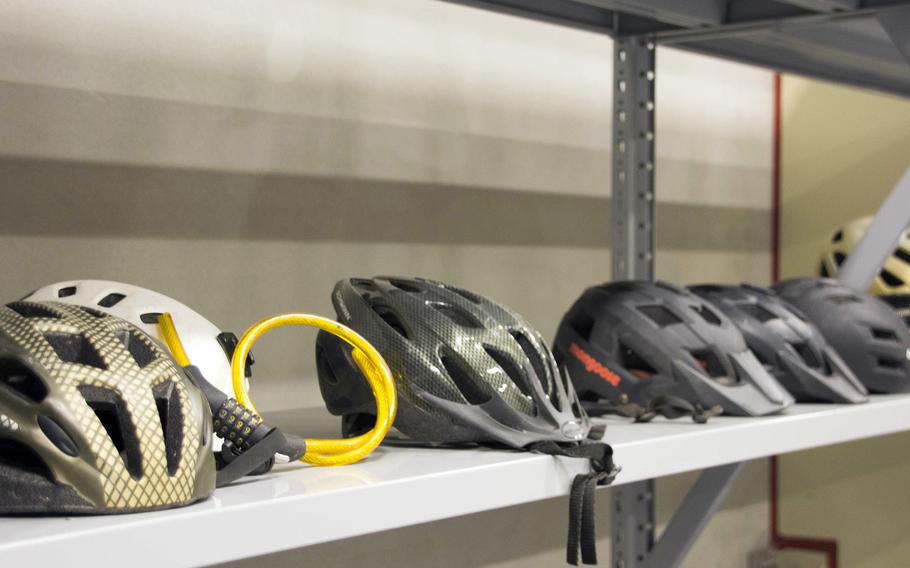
786, 343
95, 417
467, 369
867, 333
639, 341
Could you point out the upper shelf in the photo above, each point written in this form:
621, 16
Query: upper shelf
396, 487
862, 43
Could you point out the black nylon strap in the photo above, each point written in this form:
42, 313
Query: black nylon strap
582, 534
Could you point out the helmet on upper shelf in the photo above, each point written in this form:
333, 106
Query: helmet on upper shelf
786, 343
868, 335
639, 341
95, 417
892, 282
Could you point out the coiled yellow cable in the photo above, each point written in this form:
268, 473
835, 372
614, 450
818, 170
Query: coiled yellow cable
371, 364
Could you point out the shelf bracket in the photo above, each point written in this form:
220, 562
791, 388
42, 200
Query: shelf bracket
633, 157
864, 263
634, 545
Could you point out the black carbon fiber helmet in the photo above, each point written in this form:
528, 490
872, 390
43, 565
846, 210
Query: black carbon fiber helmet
786, 343
639, 341
867, 333
95, 417
467, 369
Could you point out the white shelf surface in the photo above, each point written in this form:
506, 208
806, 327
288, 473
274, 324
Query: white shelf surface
300, 505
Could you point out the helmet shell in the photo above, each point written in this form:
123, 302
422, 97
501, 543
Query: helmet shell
95, 417
467, 369
638, 340
867, 333
786, 343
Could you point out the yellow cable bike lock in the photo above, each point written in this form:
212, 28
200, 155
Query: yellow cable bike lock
370, 362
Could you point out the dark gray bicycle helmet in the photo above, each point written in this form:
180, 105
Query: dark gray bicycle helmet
467, 369
867, 333
640, 341
786, 343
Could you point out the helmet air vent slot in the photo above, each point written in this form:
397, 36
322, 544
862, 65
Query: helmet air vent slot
30, 310
75, 348
660, 315
884, 334
635, 363
167, 399
456, 315
22, 380
469, 389
138, 347
758, 312
112, 411
111, 300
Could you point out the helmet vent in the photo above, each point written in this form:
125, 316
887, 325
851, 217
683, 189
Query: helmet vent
167, 398
884, 334
58, 436
75, 348
706, 314
15, 376
141, 351
364, 284
456, 314
540, 368
513, 371
470, 390
807, 355
583, 324
888, 363
635, 363
111, 410
758, 312
111, 300
823, 270
93, 312
762, 359
891, 279
66, 292
30, 310
406, 286
19, 456
659, 315
389, 316
469, 296
150, 318
710, 363
837, 236
839, 258
903, 254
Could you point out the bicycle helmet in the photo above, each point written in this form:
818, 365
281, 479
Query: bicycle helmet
207, 347
467, 369
95, 417
892, 282
786, 343
869, 336
639, 341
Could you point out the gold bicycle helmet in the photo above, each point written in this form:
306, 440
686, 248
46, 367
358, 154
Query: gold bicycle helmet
95, 416
893, 281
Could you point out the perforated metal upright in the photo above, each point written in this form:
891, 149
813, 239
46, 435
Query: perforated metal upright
634, 105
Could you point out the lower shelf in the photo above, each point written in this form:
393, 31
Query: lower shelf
300, 505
